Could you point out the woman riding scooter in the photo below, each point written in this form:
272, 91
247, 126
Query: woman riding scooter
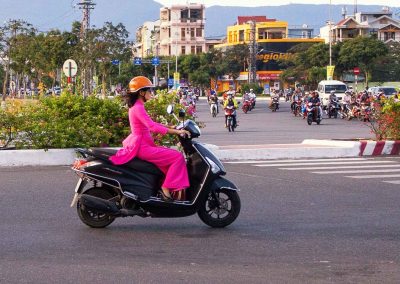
141, 144
230, 101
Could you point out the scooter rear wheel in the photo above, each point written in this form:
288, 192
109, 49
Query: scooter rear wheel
94, 219
220, 209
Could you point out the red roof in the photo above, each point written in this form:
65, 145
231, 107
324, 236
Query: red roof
259, 19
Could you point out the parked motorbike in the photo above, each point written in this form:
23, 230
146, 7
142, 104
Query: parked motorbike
105, 191
313, 113
274, 106
231, 123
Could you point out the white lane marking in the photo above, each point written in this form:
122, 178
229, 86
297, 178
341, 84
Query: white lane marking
291, 161
357, 171
373, 176
341, 167
392, 181
324, 163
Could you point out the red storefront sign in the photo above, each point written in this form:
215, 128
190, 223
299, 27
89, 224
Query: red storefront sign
268, 76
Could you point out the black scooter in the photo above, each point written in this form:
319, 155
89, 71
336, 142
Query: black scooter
105, 191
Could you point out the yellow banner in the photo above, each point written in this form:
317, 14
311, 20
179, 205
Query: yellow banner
176, 76
330, 69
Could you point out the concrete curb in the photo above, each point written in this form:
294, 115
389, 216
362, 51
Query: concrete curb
376, 148
309, 148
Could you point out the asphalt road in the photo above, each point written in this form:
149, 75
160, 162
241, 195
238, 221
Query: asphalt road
295, 227
262, 126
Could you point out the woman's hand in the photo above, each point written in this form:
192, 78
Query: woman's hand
183, 133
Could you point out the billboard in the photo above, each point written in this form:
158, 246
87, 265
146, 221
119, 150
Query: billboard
271, 52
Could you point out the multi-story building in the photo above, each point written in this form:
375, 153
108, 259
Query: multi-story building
147, 37
272, 43
380, 24
182, 30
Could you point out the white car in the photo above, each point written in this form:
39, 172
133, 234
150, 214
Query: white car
388, 90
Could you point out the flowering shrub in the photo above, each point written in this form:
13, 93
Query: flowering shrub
70, 121
386, 120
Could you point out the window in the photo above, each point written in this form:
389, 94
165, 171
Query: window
199, 32
184, 15
183, 33
183, 50
169, 50
241, 35
192, 49
199, 49
276, 35
192, 33
195, 14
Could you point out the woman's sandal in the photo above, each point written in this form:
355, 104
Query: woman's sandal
165, 198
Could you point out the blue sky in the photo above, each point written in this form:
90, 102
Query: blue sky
254, 3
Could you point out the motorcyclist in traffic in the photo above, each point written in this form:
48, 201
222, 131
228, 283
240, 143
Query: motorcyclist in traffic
294, 98
274, 96
253, 97
231, 101
331, 100
214, 99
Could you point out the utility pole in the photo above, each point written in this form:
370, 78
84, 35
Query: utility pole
252, 77
86, 6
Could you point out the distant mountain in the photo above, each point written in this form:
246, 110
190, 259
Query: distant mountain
59, 14
47, 14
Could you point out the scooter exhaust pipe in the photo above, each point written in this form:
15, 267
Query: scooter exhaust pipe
99, 205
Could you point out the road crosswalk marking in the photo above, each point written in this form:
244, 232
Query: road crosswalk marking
358, 171
342, 167
296, 161
324, 163
374, 176
387, 170
392, 181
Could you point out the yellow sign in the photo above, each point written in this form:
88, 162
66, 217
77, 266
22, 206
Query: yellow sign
330, 69
176, 76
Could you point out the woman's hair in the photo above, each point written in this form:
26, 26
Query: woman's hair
131, 98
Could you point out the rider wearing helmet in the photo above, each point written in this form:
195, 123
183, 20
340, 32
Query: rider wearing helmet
253, 97
230, 101
140, 143
331, 99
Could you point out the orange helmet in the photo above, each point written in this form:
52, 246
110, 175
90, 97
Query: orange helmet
138, 83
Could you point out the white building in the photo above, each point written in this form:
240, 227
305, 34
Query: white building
146, 39
182, 29
381, 24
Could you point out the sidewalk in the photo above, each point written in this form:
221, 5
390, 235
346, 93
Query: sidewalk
309, 148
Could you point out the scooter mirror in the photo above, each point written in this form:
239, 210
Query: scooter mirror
170, 109
182, 113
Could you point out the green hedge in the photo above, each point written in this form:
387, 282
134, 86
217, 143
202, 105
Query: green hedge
70, 121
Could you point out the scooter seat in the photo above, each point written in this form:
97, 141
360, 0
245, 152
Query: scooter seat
135, 164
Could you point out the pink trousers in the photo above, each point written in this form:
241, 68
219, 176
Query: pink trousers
171, 162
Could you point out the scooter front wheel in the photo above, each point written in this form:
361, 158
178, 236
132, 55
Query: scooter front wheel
91, 218
220, 208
